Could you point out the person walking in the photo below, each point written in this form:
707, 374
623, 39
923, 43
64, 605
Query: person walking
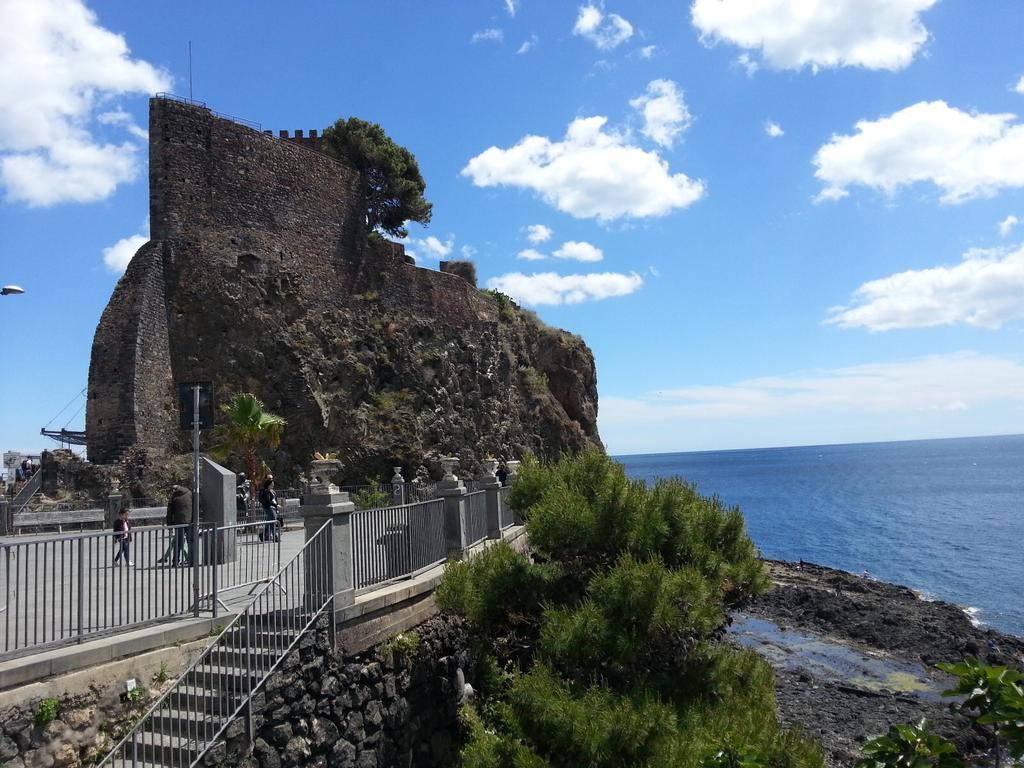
179, 515
123, 537
268, 500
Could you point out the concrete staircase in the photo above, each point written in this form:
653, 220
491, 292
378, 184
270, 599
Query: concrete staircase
212, 700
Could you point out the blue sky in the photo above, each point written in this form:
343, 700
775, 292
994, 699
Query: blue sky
774, 221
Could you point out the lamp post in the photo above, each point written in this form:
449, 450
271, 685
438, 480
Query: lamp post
11, 290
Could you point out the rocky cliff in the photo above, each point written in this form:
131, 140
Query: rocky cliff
260, 277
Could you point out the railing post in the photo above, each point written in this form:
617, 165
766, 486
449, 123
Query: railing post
453, 492
324, 502
489, 483
5, 522
214, 599
81, 579
332, 625
115, 500
397, 488
513, 470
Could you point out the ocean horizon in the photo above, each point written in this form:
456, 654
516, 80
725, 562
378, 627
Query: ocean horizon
943, 516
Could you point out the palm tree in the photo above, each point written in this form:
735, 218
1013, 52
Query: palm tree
247, 429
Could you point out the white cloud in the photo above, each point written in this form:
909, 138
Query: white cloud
647, 51
1019, 87
591, 173
748, 63
664, 111
122, 118
528, 45
436, 248
487, 35
548, 288
967, 155
117, 256
467, 251
511, 6
986, 289
530, 254
605, 31
1006, 225
538, 233
791, 34
60, 68
773, 129
963, 392
429, 247
579, 251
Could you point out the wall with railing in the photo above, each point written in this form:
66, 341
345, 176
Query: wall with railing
67, 589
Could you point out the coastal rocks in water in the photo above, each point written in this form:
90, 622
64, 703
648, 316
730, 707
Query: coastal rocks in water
879, 615
888, 626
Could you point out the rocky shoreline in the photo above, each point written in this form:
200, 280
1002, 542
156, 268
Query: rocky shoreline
828, 633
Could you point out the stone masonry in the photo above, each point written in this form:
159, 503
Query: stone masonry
260, 277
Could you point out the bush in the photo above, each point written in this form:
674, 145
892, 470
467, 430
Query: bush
372, 498
604, 640
46, 712
405, 645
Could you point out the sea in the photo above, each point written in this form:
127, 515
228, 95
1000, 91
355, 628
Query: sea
943, 517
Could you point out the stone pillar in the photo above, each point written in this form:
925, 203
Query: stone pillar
397, 487
323, 503
453, 492
218, 507
489, 483
115, 500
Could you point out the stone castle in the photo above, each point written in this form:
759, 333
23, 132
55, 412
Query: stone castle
260, 277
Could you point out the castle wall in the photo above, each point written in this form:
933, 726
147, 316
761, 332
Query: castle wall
260, 277
130, 394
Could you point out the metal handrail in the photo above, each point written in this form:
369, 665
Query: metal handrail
204, 105
201, 735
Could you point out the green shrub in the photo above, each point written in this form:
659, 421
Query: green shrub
535, 381
602, 644
506, 307
405, 645
995, 696
372, 498
498, 589
46, 712
909, 745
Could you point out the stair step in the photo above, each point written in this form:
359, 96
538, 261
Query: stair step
196, 698
188, 721
261, 658
216, 677
162, 749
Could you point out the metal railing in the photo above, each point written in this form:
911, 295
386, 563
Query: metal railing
397, 542
27, 491
218, 686
476, 517
507, 515
182, 100
248, 554
67, 589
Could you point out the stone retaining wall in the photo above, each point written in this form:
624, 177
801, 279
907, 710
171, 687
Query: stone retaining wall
322, 708
366, 711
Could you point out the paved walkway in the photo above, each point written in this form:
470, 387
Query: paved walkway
54, 588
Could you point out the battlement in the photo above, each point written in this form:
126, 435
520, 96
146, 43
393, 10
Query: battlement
311, 139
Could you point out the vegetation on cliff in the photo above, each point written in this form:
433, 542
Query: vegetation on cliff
246, 429
392, 183
601, 647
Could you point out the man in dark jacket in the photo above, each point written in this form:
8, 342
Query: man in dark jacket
179, 514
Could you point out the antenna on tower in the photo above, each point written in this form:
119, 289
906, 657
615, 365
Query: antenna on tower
190, 70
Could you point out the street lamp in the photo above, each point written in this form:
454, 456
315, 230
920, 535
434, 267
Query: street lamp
9, 290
